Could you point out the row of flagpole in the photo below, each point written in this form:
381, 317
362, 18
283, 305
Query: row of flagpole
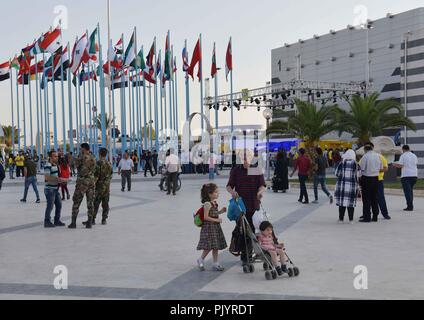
87, 80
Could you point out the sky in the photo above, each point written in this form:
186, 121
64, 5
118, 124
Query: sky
256, 28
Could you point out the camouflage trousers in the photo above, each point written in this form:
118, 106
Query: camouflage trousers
102, 197
83, 188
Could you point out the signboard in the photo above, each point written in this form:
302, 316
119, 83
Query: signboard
245, 94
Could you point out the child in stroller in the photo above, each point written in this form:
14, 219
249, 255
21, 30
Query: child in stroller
269, 244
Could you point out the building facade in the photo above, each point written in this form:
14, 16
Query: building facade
374, 54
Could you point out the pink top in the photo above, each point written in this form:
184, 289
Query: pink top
267, 243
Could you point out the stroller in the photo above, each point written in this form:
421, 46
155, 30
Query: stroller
245, 237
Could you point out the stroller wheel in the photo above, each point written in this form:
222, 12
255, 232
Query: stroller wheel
274, 275
296, 271
246, 269
290, 272
268, 275
266, 267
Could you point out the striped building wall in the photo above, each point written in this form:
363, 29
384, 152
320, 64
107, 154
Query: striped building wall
341, 56
415, 90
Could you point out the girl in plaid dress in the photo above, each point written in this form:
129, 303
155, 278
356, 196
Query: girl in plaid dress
347, 186
211, 235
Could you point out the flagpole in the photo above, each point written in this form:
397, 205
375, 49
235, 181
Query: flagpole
131, 95
216, 92
12, 108
165, 105
24, 111
159, 80
56, 145
231, 98
169, 87
156, 105
110, 90
38, 113
84, 107
137, 91
90, 106
201, 83
42, 136
18, 113
63, 90
96, 116
80, 108
30, 114
112, 76
187, 83
77, 106
123, 107
71, 125
145, 112
102, 90
176, 97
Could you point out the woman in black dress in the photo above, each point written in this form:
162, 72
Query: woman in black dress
281, 176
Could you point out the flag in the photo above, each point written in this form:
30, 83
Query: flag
15, 63
175, 65
196, 59
114, 60
85, 76
79, 54
24, 64
149, 60
47, 72
93, 46
158, 66
229, 60
4, 71
25, 78
61, 58
129, 55
120, 81
185, 60
36, 49
118, 47
168, 63
37, 69
51, 41
214, 69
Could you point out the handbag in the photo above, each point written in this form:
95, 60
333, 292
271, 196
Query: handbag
235, 209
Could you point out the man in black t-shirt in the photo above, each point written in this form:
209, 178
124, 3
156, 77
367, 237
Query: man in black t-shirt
320, 167
30, 173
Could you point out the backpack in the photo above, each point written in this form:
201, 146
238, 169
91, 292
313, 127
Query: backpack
199, 217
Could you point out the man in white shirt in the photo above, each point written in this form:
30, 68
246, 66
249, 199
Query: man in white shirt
125, 169
371, 166
172, 164
408, 162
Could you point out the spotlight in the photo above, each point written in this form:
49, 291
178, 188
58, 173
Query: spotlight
257, 101
294, 92
240, 102
264, 98
225, 109
292, 105
217, 107
259, 109
210, 107
335, 100
284, 96
288, 93
228, 104
251, 100
310, 93
318, 94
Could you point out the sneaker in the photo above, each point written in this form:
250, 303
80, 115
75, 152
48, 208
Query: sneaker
201, 264
38, 201
23, 200
408, 209
284, 268
387, 217
104, 222
49, 225
123, 190
218, 267
305, 202
59, 224
340, 221
331, 199
279, 271
315, 202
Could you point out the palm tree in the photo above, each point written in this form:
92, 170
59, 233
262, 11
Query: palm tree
7, 139
368, 117
98, 124
312, 122
278, 127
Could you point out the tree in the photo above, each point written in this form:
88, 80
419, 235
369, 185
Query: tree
98, 124
311, 122
7, 139
368, 117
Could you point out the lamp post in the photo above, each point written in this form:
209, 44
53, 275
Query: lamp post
267, 115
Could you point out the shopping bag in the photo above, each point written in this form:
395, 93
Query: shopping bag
235, 209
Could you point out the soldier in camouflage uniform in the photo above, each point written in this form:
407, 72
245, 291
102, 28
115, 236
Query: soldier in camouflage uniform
86, 182
103, 175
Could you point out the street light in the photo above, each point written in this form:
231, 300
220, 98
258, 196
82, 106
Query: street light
267, 115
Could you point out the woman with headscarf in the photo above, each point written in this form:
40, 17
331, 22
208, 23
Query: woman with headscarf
281, 178
347, 186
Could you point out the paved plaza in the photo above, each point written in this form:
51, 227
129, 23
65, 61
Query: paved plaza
147, 251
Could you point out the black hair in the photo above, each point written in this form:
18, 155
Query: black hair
302, 151
207, 189
85, 146
265, 225
406, 148
103, 152
319, 151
